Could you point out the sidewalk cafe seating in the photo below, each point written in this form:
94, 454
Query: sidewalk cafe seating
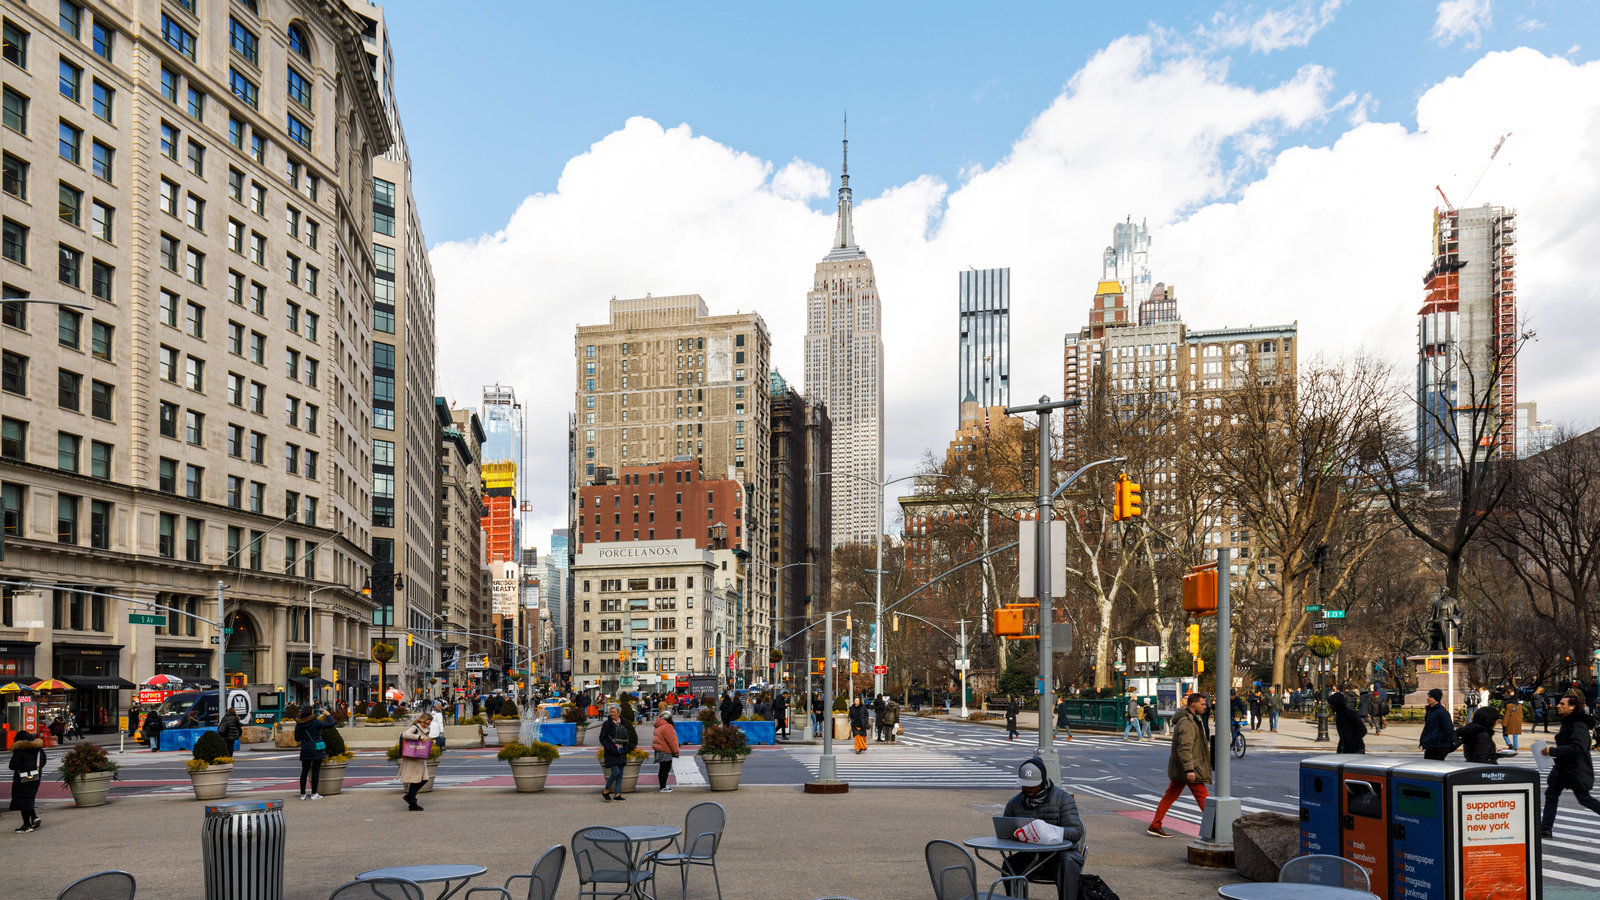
542, 882
605, 860
955, 875
1323, 869
111, 885
697, 846
378, 889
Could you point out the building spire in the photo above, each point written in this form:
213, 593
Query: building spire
844, 236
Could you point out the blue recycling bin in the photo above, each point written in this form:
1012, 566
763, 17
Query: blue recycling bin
1460, 830
1319, 803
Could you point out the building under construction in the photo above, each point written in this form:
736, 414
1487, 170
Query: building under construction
1467, 341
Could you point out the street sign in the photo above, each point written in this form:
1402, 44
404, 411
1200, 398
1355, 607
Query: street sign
1313, 607
880, 670
227, 631
146, 619
214, 639
1319, 626
1333, 614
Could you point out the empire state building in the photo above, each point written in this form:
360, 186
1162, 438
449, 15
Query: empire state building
844, 369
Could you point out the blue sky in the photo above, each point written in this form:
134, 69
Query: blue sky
1284, 155
932, 87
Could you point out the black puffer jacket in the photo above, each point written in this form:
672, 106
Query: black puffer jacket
1477, 737
1352, 731
1574, 765
1056, 807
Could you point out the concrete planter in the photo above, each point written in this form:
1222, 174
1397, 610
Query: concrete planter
529, 774
90, 788
723, 773
211, 783
507, 730
331, 781
630, 775
433, 769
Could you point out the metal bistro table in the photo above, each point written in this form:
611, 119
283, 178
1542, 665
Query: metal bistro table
1281, 890
430, 874
1005, 848
640, 836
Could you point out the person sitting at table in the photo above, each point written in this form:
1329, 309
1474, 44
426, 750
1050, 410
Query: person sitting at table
1042, 799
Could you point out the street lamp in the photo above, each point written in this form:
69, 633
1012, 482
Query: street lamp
397, 582
877, 622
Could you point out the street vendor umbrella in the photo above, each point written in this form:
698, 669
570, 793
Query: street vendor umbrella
394, 694
13, 688
51, 684
158, 680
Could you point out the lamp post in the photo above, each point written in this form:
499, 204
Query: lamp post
397, 582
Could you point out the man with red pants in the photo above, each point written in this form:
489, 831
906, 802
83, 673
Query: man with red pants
1190, 763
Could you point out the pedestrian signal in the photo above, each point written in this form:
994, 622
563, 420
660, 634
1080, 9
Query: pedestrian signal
822, 663
1008, 622
1200, 591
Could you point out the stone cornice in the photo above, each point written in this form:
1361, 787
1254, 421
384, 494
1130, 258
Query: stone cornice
353, 52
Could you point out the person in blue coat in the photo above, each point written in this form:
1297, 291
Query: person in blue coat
1438, 731
308, 733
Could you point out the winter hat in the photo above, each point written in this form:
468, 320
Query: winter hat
1031, 773
1436, 694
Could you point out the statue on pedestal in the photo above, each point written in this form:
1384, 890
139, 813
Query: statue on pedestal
1446, 618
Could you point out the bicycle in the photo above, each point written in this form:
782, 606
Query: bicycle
1237, 745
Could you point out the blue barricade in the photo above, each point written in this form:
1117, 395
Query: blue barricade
759, 732
184, 738
689, 732
562, 734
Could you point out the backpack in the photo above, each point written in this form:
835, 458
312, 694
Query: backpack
1093, 887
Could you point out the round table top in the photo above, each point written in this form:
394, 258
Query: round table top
1279, 890
425, 874
990, 842
648, 832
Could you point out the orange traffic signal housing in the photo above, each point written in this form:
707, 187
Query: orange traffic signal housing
1008, 622
1200, 591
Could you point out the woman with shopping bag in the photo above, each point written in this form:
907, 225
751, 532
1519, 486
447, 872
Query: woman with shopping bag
415, 746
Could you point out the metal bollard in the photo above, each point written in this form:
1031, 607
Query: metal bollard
242, 848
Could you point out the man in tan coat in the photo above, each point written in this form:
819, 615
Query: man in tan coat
1190, 762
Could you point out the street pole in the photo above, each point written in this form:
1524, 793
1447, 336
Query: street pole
877, 619
827, 767
222, 655
1214, 848
963, 624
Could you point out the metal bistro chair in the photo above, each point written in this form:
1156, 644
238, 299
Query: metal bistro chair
378, 889
113, 885
605, 856
697, 846
955, 875
543, 881
1322, 869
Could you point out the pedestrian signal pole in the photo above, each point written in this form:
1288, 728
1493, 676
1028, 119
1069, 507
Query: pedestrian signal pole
1214, 848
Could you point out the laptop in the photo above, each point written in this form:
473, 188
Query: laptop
1005, 827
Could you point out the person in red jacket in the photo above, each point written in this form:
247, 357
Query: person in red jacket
665, 743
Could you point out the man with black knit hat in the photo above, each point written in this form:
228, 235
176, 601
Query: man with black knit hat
1041, 799
1438, 731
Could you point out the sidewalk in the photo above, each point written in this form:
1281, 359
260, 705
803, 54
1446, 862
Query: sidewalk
1293, 734
780, 843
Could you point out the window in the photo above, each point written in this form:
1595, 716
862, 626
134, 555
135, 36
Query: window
177, 36
167, 542
195, 319
298, 43
258, 148
15, 179
258, 199
195, 212
15, 45
169, 84
291, 363
236, 244
292, 269
101, 219
235, 338
235, 398
235, 288
70, 270
291, 411
169, 196
101, 395
258, 348
11, 502
196, 270
243, 88
311, 280
194, 374
167, 359
67, 519
71, 82
236, 184
14, 242
72, 19
235, 499
69, 390
99, 459
236, 138
299, 88
168, 309
168, 416
105, 99
258, 248
101, 280
104, 156
311, 326
193, 481
311, 472
105, 39
168, 250
299, 132
258, 455
13, 439
194, 428
197, 104
243, 41
311, 234
69, 328
197, 159
258, 298
100, 339
16, 111
99, 530
70, 144
311, 372
69, 208
258, 400
192, 531
67, 446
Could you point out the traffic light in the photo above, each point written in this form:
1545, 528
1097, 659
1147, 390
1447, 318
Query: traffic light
896, 623
486, 662
1127, 500
847, 620
409, 639
1200, 591
1194, 641
855, 667
821, 662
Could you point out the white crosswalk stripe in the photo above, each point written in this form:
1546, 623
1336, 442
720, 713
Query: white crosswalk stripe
905, 766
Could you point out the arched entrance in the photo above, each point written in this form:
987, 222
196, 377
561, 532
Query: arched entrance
242, 645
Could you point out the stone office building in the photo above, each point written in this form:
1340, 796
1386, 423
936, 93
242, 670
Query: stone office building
643, 613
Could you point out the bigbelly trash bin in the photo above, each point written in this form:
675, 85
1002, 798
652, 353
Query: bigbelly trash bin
242, 848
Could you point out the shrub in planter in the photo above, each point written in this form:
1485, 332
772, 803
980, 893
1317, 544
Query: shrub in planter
707, 716
840, 704
334, 744
577, 715
210, 747
538, 750
88, 773
507, 710
636, 756
471, 720
290, 712
724, 742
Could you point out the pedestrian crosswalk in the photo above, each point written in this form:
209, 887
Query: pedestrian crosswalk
901, 765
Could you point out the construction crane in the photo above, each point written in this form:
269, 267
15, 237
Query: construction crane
1447, 206
1492, 154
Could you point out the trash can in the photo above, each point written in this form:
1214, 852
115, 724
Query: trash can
242, 849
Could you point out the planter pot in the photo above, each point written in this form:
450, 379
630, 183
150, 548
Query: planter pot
331, 780
211, 783
372, 723
630, 775
529, 774
578, 732
90, 789
723, 773
433, 769
507, 730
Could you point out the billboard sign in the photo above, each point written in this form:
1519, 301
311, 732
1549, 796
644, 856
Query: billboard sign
503, 593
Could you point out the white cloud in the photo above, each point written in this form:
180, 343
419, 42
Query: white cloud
1528, 24
1461, 18
1275, 29
1250, 228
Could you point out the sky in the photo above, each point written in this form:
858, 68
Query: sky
1285, 156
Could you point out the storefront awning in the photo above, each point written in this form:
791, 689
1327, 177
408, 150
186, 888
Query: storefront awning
201, 683
301, 679
101, 682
